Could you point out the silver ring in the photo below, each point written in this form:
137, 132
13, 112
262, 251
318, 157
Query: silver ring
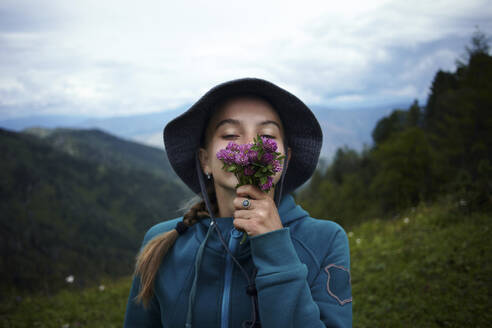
246, 203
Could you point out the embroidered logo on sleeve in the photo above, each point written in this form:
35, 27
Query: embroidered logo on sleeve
339, 283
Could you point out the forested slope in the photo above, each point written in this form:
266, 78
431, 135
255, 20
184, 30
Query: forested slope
63, 214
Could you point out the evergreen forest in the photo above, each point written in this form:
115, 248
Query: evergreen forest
419, 154
76, 203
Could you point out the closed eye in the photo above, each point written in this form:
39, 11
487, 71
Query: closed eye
233, 135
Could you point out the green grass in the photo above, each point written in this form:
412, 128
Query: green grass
89, 307
433, 269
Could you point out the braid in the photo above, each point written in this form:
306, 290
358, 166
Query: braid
149, 258
199, 210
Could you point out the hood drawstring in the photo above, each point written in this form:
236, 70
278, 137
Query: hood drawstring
251, 289
198, 261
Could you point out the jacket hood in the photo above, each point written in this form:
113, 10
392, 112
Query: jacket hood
289, 211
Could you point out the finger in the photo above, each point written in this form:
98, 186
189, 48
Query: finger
238, 203
250, 190
243, 214
242, 224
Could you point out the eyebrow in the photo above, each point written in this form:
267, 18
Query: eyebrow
236, 122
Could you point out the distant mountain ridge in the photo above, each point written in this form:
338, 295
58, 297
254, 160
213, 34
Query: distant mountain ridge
340, 127
100, 147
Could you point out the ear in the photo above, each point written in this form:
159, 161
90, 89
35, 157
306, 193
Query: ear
204, 160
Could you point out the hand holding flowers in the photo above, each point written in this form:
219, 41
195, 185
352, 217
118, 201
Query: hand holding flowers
254, 165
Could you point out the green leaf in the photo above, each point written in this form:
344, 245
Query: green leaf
244, 238
231, 168
263, 180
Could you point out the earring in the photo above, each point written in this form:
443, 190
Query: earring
208, 176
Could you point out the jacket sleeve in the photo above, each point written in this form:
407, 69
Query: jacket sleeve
136, 315
285, 297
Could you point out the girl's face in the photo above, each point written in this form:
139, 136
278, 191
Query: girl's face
239, 120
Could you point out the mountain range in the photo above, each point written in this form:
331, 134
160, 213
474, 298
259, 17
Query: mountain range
350, 127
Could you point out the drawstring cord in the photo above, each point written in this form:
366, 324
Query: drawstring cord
251, 289
198, 262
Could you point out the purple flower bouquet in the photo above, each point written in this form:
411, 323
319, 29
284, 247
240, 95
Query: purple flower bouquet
252, 163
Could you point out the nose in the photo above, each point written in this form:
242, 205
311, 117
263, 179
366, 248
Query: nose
248, 137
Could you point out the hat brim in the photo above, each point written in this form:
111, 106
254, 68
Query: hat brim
302, 130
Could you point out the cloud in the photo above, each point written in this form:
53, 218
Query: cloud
115, 58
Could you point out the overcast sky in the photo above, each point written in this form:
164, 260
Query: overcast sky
110, 58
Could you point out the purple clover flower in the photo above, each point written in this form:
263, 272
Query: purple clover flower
232, 146
226, 155
245, 148
267, 158
268, 184
269, 144
249, 170
276, 166
253, 155
241, 159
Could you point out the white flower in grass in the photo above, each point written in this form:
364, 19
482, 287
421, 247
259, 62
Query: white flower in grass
350, 234
101, 287
69, 279
406, 220
357, 240
66, 325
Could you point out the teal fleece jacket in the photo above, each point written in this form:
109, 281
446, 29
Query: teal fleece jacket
303, 277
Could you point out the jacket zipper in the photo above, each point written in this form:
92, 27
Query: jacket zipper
233, 242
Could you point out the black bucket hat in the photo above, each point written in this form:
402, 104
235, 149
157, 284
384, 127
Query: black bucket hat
182, 135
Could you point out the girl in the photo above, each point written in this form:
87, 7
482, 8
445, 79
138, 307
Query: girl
292, 271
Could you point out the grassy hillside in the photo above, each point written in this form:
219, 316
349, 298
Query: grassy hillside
432, 267
429, 268
100, 306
